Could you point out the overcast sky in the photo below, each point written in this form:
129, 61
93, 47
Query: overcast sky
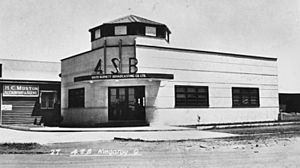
54, 29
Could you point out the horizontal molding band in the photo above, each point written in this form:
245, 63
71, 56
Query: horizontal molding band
100, 107
230, 63
193, 70
203, 108
226, 83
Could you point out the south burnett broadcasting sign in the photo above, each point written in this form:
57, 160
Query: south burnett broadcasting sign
20, 90
124, 76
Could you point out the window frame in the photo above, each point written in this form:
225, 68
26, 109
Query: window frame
196, 96
245, 93
72, 102
54, 99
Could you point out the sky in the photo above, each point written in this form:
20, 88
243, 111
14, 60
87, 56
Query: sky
49, 30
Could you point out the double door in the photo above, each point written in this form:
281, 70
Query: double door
126, 103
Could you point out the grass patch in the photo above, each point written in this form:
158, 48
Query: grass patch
23, 148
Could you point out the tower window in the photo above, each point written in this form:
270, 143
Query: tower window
97, 33
0, 70
150, 31
120, 30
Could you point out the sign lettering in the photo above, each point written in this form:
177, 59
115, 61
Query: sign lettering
115, 62
21, 91
98, 68
132, 65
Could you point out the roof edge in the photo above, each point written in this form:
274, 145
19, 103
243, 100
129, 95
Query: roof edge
209, 52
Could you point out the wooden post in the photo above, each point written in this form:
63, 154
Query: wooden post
120, 55
1, 108
104, 58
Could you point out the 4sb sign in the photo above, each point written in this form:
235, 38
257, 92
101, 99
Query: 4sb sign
116, 64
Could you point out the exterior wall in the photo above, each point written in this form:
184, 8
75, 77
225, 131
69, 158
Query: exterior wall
30, 70
95, 110
220, 73
24, 109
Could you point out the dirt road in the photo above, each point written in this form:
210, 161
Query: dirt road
279, 150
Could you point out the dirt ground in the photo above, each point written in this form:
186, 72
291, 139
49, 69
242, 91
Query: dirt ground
257, 147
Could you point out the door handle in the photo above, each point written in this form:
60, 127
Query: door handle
144, 101
139, 101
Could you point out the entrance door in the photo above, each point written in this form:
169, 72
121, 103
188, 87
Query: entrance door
126, 103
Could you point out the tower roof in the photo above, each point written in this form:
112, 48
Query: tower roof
131, 25
133, 19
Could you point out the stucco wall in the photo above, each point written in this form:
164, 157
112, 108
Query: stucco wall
220, 73
96, 110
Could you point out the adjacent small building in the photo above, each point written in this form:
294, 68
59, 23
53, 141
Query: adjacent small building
30, 92
132, 75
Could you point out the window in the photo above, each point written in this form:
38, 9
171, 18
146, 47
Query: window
120, 30
48, 99
0, 70
245, 97
191, 96
97, 33
76, 97
150, 31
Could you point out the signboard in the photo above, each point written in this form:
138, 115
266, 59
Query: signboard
118, 76
20, 91
124, 76
6, 107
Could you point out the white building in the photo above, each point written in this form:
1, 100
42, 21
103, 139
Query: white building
132, 75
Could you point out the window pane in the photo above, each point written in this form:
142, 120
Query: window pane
113, 92
253, 100
150, 31
202, 96
43, 100
131, 91
202, 90
97, 33
191, 90
190, 95
51, 100
235, 90
121, 92
120, 30
180, 95
180, 89
245, 100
